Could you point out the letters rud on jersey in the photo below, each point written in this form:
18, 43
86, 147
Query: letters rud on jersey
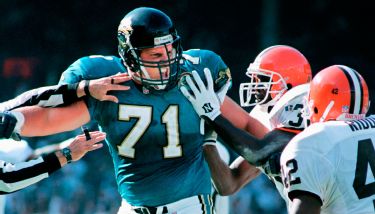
367, 123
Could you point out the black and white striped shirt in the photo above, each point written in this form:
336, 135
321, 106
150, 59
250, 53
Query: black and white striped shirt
16, 176
49, 96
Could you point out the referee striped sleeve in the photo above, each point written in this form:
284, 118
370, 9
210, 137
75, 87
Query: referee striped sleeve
16, 176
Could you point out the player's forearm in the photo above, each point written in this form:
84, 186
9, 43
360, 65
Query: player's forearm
46, 121
228, 180
256, 128
220, 172
244, 172
254, 150
241, 119
239, 140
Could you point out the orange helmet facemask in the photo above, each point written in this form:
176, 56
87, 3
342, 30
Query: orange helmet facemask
274, 71
337, 93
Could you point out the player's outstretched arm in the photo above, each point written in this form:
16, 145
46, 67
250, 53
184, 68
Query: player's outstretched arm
228, 180
38, 121
63, 95
254, 150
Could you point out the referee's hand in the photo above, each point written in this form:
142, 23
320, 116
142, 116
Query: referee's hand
80, 146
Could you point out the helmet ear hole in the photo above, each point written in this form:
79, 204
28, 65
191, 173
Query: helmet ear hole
289, 86
316, 110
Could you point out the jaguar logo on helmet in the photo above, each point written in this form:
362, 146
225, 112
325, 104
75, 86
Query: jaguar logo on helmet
223, 75
125, 27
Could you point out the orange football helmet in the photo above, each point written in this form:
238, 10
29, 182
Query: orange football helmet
338, 93
274, 71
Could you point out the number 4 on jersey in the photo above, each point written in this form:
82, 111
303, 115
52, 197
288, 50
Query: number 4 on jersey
365, 158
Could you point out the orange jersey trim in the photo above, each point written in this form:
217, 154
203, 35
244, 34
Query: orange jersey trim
296, 131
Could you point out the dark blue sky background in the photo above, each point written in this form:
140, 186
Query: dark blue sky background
56, 33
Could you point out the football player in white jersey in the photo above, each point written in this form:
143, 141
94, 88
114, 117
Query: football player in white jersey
277, 76
274, 71
330, 166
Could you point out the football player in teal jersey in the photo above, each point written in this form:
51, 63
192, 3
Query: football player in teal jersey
153, 133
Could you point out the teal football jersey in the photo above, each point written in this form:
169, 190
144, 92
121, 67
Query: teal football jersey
153, 138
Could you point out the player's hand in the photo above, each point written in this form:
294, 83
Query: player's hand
7, 124
80, 146
204, 99
100, 87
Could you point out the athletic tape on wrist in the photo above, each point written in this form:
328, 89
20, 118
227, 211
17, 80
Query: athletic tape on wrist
209, 143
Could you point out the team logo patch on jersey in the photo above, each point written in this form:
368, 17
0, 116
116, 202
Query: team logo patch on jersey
182, 80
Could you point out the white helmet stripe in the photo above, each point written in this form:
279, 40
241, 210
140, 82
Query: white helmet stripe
356, 89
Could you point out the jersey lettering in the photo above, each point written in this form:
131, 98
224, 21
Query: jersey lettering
357, 125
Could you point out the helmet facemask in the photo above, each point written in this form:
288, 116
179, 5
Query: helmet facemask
150, 48
265, 87
168, 70
278, 68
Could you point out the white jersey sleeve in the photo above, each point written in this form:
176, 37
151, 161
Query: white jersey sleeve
287, 110
336, 162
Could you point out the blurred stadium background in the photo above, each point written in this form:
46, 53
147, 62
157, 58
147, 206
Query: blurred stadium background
40, 39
